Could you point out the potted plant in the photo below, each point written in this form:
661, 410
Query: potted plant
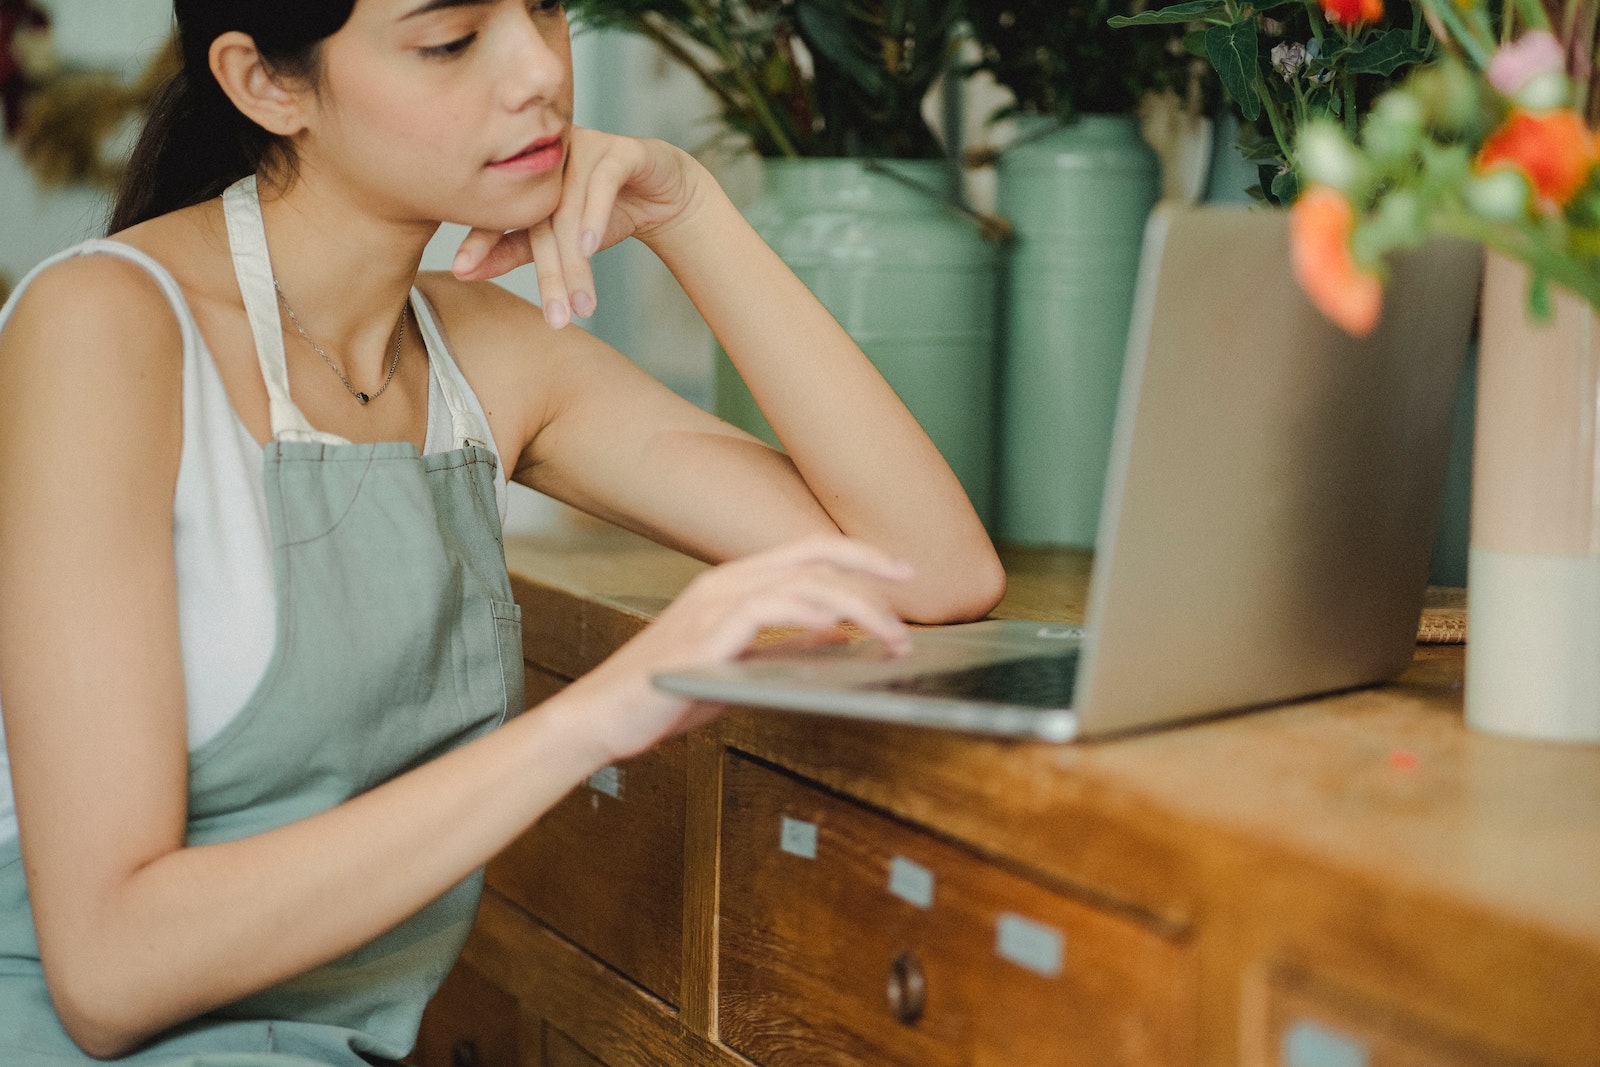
858, 197
1076, 183
1497, 145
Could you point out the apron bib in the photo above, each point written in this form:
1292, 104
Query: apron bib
396, 640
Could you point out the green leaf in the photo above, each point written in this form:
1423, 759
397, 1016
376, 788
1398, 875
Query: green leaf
825, 27
1192, 11
1285, 187
1539, 298
1385, 55
1233, 51
1195, 44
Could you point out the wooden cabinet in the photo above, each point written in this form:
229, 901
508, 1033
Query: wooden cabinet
849, 937
471, 1023
1356, 881
1310, 1024
604, 868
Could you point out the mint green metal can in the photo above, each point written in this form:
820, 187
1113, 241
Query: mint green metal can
1078, 198
911, 279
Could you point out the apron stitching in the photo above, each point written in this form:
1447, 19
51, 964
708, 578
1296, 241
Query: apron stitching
349, 507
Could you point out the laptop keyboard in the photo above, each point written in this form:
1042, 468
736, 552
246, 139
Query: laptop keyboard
1038, 681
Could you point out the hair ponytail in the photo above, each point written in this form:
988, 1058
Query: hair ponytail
195, 143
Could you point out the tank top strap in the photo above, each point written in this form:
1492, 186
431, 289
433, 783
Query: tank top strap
468, 427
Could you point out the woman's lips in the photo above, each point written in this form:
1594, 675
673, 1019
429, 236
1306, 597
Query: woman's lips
537, 158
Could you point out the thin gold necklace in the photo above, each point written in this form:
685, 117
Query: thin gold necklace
399, 338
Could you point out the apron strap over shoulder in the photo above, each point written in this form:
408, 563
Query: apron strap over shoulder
247, 237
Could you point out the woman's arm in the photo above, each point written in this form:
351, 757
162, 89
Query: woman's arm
138, 932
854, 459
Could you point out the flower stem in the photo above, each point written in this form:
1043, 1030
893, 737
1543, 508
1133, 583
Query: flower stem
1468, 42
1275, 119
1538, 255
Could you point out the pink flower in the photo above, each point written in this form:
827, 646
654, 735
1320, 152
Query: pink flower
1514, 65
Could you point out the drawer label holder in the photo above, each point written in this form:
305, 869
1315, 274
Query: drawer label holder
1311, 1044
911, 882
798, 838
607, 780
1031, 945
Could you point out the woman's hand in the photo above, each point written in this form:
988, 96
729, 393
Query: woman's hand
813, 584
612, 188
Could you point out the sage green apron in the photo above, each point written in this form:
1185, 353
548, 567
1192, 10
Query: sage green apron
397, 639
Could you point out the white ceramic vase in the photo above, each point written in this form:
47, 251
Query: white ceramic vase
1533, 625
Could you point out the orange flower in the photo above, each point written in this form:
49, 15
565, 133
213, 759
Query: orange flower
1554, 149
1349, 294
1352, 12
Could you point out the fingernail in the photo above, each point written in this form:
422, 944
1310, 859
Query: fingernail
463, 263
556, 314
589, 242
582, 303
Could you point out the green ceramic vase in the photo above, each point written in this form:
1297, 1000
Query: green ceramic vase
911, 280
1078, 197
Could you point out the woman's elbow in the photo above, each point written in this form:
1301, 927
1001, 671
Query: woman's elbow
96, 1013
964, 590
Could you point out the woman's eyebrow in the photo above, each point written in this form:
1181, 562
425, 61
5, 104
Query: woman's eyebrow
435, 5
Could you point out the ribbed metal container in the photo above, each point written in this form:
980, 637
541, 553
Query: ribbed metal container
911, 280
1078, 197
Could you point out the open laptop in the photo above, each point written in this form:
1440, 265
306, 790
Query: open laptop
1268, 517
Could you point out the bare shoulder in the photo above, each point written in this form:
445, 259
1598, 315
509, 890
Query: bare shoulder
93, 311
94, 350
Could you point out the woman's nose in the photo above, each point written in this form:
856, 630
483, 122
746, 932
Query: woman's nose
536, 57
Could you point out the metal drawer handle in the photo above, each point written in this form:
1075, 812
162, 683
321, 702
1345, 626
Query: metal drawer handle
908, 990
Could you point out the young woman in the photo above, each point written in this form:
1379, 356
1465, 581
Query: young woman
256, 635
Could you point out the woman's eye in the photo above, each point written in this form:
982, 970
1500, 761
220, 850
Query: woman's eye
445, 51
544, 7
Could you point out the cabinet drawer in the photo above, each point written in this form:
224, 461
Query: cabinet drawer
471, 1022
1311, 1024
849, 937
561, 1051
604, 867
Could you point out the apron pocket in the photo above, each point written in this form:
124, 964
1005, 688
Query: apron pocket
508, 632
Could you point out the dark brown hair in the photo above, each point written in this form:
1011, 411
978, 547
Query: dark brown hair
195, 143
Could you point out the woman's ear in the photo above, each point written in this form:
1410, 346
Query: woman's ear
261, 95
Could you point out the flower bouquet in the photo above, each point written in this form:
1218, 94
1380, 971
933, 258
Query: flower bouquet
1494, 144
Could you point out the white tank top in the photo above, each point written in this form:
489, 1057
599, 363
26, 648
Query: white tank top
220, 540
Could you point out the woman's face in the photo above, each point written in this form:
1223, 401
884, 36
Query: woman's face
446, 110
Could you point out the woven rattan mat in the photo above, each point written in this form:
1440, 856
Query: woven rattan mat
1444, 617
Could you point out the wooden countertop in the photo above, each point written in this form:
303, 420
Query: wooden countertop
1425, 830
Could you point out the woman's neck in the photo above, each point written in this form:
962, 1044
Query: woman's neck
345, 272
